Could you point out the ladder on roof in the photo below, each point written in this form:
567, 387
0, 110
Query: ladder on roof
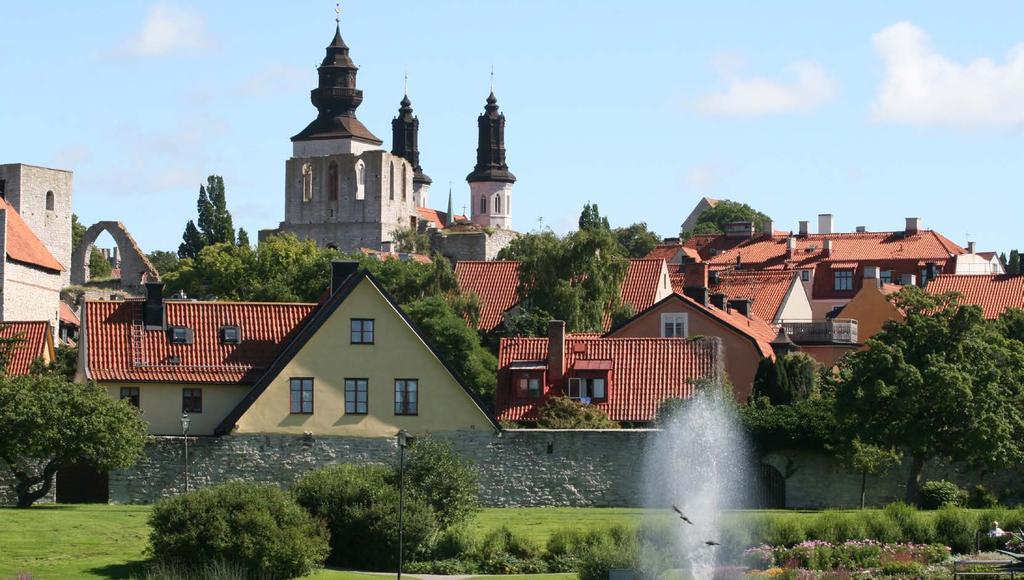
138, 334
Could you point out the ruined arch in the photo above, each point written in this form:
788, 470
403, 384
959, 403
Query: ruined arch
134, 263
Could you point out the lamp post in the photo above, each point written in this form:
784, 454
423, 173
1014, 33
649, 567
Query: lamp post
404, 440
185, 420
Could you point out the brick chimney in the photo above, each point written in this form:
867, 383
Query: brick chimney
768, 228
742, 305
805, 227
790, 247
826, 223
971, 247
556, 350
719, 300
913, 226
827, 247
695, 281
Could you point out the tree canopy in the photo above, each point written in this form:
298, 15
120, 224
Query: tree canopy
713, 220
214, 220
945, 384
636, 240
48, 422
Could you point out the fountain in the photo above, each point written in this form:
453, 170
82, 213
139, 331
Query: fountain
698, 463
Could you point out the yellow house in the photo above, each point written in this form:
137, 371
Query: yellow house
353, 365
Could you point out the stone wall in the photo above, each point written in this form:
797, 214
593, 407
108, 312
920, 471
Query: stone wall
7, 495
471, 245
26, 190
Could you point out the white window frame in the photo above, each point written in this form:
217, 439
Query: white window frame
675, 318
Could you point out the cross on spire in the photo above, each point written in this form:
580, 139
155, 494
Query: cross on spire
492, 78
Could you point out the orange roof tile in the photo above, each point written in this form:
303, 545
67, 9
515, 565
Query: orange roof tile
670, 253
766, 288
266, 327
33, 336
495, 283
67, 314
994, 294
439, 218
640, 286
644, 372
23, 245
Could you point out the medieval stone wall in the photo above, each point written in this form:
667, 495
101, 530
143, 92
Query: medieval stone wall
471, 245
27, 187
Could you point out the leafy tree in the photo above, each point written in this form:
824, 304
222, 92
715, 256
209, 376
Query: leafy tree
99, 265
77, 231
164, 262
411, 240
48, 422
591, 219
1011, 324
65, 364
636, 240
192, 241
458, 344
713, 220
448, 483
564, 413
944, 383
868, 459
1013, 265
804, 424
786, 379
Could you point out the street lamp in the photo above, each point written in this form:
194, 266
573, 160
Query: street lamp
185, 421
404, 440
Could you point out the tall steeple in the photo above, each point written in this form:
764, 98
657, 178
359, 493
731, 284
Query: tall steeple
405, 130
490, 149
336, 99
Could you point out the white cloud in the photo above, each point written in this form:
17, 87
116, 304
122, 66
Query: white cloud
809, 88
702, 178
922, 87
169, 29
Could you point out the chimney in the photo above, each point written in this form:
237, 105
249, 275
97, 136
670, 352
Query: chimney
719, 300
971, 246
913, 226
556, 350
742, 305
871, 276
790, 247
826, 223
695, 281
153, 308
340, 271
828, 247
768, 228
862, 229
804, 227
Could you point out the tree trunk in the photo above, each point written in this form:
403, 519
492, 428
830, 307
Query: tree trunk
25, 482
914, 480
863, 487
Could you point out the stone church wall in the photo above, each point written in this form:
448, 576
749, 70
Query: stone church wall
477, 245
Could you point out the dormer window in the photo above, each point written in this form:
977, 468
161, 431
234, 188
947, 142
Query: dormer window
180, 335
588, 389
230, 334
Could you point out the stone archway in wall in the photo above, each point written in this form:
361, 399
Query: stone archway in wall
135, 266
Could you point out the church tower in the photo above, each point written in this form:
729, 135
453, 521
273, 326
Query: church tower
490, 183
405, 129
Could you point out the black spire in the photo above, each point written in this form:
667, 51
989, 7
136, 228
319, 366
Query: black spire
336, 98
405, 129
490, 149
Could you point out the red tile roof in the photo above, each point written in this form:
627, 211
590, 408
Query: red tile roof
993, 293
767, 288
669, 253
645, 372
23, 245
67, 314
440, 218
497, 285
111, 356
33, 335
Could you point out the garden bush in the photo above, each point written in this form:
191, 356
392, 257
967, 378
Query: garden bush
454, 543
913, 526
956, 528
910, 569
784, 531
360, 506
981, 497
218, 570
446, 481
257, 527
935, 494
836, 527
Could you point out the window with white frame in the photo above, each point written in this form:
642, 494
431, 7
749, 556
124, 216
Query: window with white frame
674, 325
587, 389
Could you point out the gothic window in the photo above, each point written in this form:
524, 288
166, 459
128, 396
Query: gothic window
405, 179
49, 201
497, 204
360, 180
483, 204
307, 182
391, 180
332, 181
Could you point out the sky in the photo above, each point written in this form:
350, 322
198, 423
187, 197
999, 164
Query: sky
872, 111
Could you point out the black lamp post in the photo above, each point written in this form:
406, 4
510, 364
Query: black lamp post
185, 421
404, 440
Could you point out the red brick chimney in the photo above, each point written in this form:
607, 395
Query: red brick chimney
556, 350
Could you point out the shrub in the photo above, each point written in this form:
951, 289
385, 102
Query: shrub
784, 531
564, 413
956, 528
880, 526
451, 566
504, 541
454, 543
935, 494
218, 570
836, 527
360, 506
446, 481
911, 569
981, 498
912, 525
257, 527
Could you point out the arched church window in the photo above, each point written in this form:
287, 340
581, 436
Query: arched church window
307, 182
360, 180
332, 181
497, 204
391, 180
49, 200
405, 179
483, 204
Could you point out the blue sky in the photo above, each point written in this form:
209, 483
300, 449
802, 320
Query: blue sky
873, 111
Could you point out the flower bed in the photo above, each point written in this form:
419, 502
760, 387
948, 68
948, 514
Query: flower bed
849, 555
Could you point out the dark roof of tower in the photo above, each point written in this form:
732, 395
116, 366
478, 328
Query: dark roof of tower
336, 98
490, 150
405, 129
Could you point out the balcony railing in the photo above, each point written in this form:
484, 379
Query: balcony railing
834, 331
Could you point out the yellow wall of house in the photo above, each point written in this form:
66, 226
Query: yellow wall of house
871, 309
161, 405
330, 358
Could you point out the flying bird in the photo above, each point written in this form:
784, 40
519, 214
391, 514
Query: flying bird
711, 543
681, 515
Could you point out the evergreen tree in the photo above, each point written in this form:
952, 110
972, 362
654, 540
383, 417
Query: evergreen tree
77, 231
214, 220
1013, 266
591, 219
243, 238
192, 242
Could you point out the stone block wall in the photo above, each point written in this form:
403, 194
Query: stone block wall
26, 190
471, 245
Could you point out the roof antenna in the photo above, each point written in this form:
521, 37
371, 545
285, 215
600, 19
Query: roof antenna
337, 13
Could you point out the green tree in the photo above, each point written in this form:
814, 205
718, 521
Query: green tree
944, 383
636, 240
164, 262
1013, 264
788, 378
48, 422
564, 413
64, 364
214, 222
447, 482
867, 459
192, 241
243, 238
411, 241
99, 265
77, 231
713, 220
591, 219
